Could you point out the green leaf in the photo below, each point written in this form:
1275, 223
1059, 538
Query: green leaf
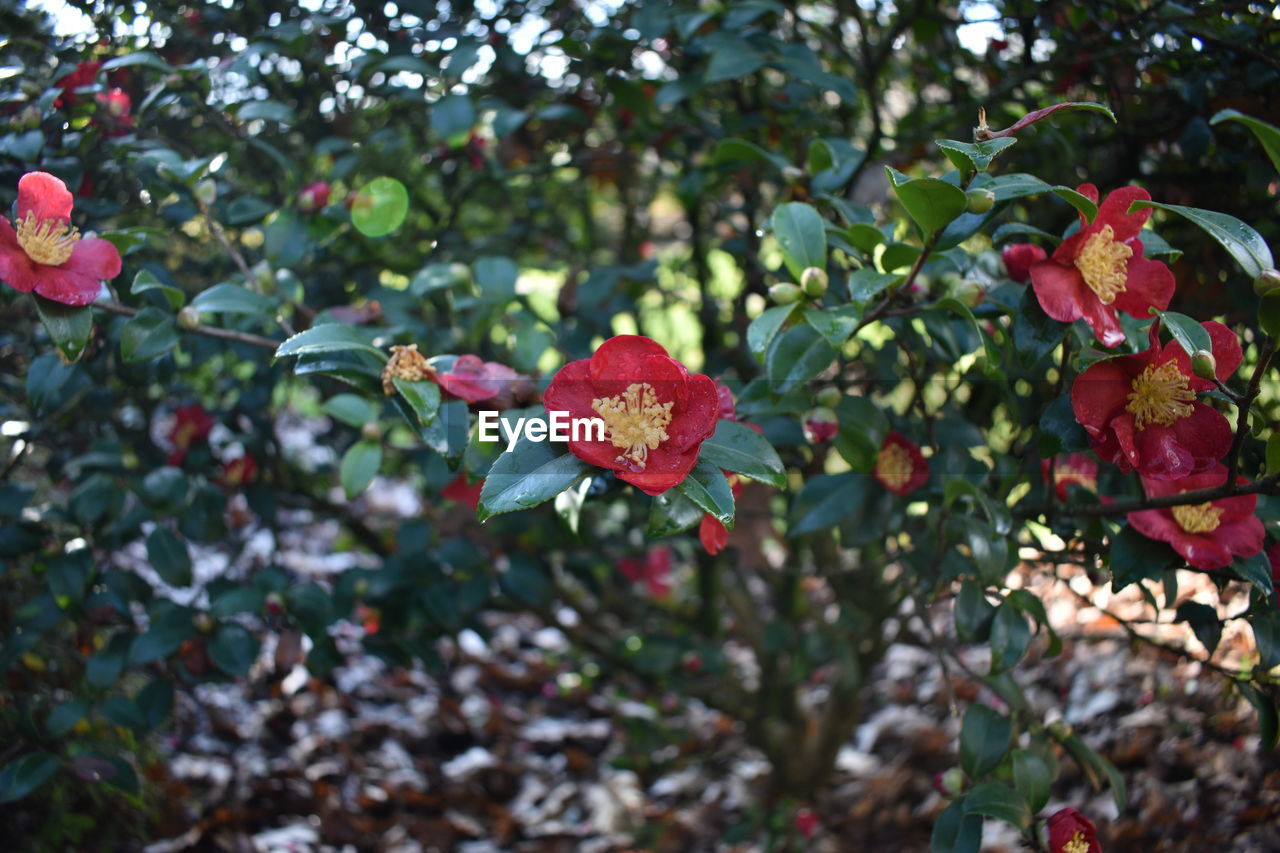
227, 298
1186, 331
452, 116
1134, 557
233, 649
671, 512
1032, 777
20, 777
1101, 772
150, 334
525, 476
863, 427
1257, 571
764, 329
266, 111
1060, 432
826, 500
1268, 134
797, 356
155, 703
169, 557
360, 465
956, 832
984, 740
707, 487
1204, 622
122, 712
741, 151
973, 613
733, 63
422, 395
738, 448
64, 717
1078, 200
1035, 333
497, 277
976, 156
241, 599
162, 638
329, 337
141, 57
247, 210
146, 280
866, 283
1268, 719
526, 580
955, 306
998, 800
1240, 240
68, 325
834, 324
105, 667
930, 202
1010, 636
352, 409
802, 236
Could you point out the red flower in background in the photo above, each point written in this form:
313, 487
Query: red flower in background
43, 252
654, 569
117, 105
1018, 258
1072, 832
900, 467
712, 533
85, 74
1100, 269
313, 197
240, 472
1077, 468
473, 379
191, 424
1208, 535
656, 414
1141, 412
818, 429
460, 492
806, 823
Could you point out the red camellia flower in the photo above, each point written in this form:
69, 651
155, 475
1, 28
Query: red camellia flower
190, 425
1076, 468
313, 197
43, 252
1018, 258
654, 569
473, 379
460, 492
240, 472
1208, 535
1100, 269
899, 466
1072, 832
656, 415
1141, 412
819, 429
806, 822
83, 75
117, 105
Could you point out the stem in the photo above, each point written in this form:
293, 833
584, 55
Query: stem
207, 331
1244, 404
1228, 489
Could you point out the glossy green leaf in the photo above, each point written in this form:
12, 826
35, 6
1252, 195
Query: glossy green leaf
1032, 777
150, 334
984, 739
1134, 557
1186, 331
360, 465
797, 356
423, 397
328, 337
69, 326
738, 448
834, 324
1010, 636
826, 500
64, 717
930, 202
228, 298
233, 649
975, 156
24, 775
998, 800
802, 236
169, 557
956, 832
707, 487
146, 280
352, 409
1267, 134
671, 512
1241, 241
527, 475
764, 329
973, 613
734, 150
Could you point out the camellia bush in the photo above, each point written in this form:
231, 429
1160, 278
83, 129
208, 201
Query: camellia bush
730, 420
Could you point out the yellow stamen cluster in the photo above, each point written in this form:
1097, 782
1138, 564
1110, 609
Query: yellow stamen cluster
1077, 844
46, 241
893, 466
1104, 264
1160, 395
1066, 474
405, 363
634, 421
1198, 518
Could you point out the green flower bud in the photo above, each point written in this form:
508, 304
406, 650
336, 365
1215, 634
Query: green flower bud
204, 623
372, 431
1267, 281
207, 191
793, 174
980, 201
829, 397
188, 318
814, 281
950, 783
785, 293
1204, 365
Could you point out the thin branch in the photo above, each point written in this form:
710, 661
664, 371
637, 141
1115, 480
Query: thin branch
1245, 403
207, 331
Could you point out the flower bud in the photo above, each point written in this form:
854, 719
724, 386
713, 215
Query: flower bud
207, 191
1018, 259
785, 293
1204, 365
820, 424
980, 201
1059, 729
968, 292
275, 602
204, 623
372, 431
949, 783
814, 281
1267, 281
313, 198
188, 318
793, 174
829, 397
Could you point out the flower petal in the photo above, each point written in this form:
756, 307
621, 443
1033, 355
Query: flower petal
1148, 283
16, 269
713, 534
1226, 349
1057, 288
66, 285
1100, 393
94, 258
1101, 318
44, 195
1114, 212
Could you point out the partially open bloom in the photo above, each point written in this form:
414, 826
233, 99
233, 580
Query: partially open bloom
191, 424
656, 415
1208, 535
460, 492
1078, 469
473, 379
654, 569
900, 467
821, 425
1100, 269
44, 252
1018, 258
1141, 411
1072, 832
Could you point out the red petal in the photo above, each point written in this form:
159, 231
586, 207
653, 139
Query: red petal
94, 258
1113, 212
1127, 457
1148, 283
1226, 349
697, 422
66, 285
1204, 551
713, 534
1101, 318
1101, 392
1157, 524
16, 269
45, 195
664, 470
1057, 287
623, 356
1244, 537
570, 391
1205, 433
1160, 455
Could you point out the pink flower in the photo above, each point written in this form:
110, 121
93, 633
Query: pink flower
313, 197
43, 252
1078, 468
1208, 535
654, 569
85, 74
473, 379
900, 467
1018, 258
1100, 269
1072, 832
